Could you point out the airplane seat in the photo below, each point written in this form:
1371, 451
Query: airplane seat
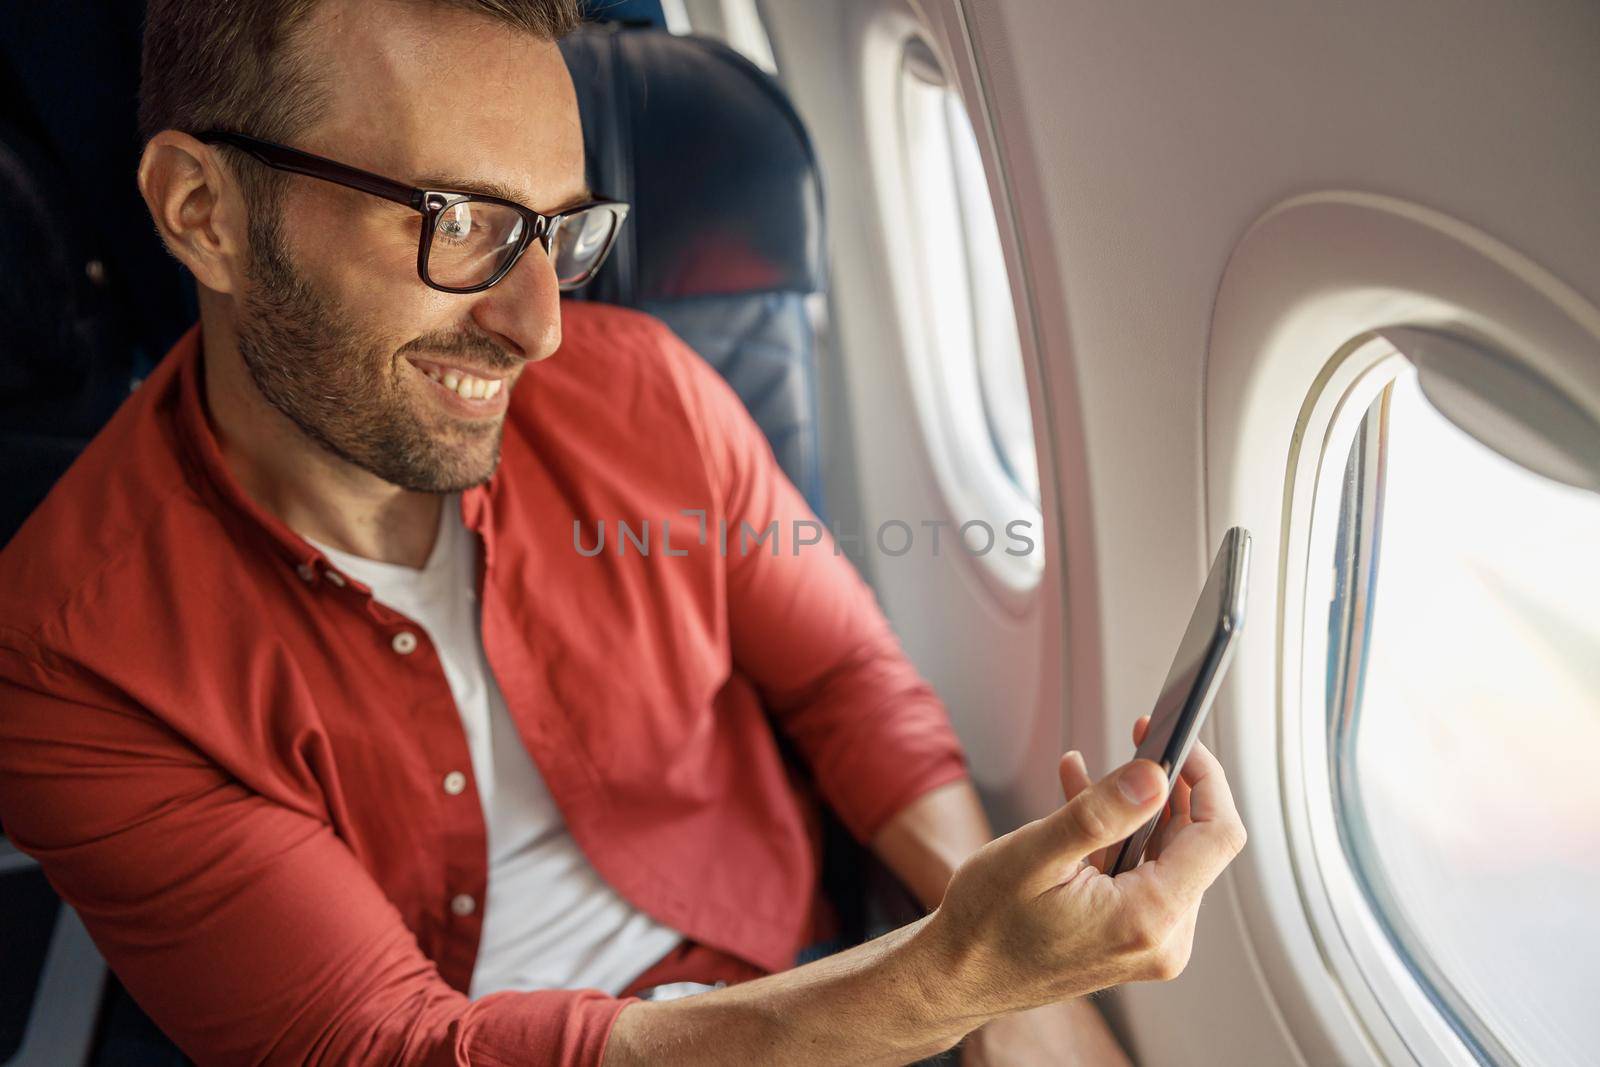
63, 364
725, 241
92, 298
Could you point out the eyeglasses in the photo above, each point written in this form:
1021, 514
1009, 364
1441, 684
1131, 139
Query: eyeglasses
469, 241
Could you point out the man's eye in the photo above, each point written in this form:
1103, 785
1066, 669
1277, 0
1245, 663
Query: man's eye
455, 223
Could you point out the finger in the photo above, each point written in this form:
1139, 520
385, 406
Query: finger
1074, 774
1074, 780
1199, 755
1209, 796
1096, 818
1199, 763
1152, 847
1192, 859
1182, 801
1100, 859
1175, 818
1196, 852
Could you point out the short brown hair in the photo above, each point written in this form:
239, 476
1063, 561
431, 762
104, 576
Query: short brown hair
214, 65
208, 64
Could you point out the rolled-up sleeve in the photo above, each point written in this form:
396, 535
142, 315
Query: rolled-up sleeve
808, 631
247, 929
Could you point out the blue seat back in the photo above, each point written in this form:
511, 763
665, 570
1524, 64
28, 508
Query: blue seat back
725, 241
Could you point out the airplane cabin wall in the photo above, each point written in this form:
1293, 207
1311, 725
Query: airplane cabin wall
1133, 148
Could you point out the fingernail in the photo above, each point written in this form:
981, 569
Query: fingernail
1141, 781
1077, 757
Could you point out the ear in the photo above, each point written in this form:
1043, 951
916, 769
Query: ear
198, 208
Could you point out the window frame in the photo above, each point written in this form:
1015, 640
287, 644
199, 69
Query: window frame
1407, 1006
976, 484
1353, 933
1282, 354
1377, 923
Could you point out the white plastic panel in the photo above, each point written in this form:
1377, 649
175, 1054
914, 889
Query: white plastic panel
1140, 145
988, 646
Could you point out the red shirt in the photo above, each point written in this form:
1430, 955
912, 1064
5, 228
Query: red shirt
229, 758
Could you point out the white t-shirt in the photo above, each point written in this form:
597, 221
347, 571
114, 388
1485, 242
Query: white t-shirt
550, 922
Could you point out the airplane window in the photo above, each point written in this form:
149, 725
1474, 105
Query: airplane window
1464, 714
975, 354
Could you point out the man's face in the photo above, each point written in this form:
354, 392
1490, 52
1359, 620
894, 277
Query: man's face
336, 328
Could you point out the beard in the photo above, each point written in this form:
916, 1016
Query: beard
342, 385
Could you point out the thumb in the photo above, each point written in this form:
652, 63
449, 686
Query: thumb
1100, 816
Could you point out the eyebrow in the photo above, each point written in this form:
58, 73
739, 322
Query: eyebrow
490, 187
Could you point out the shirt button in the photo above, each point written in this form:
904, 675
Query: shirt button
454, 783
305, 571
335, 577
462, 904
404, 642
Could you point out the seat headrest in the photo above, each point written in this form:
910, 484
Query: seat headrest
726, 194
633, 12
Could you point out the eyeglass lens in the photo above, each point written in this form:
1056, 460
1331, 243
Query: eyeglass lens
472, 240
580, 242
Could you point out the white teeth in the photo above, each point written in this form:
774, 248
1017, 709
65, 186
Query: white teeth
465, 385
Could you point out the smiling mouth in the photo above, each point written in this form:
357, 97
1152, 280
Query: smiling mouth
468, 385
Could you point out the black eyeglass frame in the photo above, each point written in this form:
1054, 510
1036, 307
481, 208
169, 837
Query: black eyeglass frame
429, 203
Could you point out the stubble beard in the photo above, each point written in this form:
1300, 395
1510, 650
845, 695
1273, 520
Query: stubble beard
341, 386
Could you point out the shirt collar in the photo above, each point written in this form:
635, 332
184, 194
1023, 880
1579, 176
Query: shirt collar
200, 442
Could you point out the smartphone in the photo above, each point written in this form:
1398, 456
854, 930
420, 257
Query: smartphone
1196, 673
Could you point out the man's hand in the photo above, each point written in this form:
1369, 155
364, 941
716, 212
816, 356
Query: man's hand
1030, 919
1026, 921
1072, 1032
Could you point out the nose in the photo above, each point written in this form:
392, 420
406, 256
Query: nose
523, 310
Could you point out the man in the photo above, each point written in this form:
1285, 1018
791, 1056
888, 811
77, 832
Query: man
341, 751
